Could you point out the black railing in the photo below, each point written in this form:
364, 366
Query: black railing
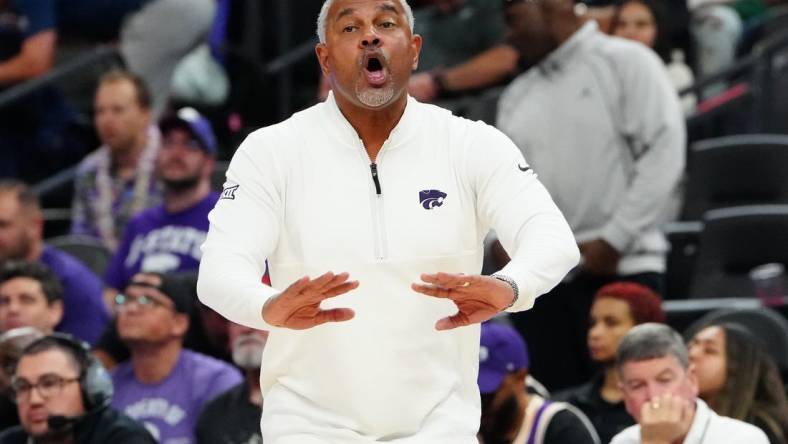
756, 74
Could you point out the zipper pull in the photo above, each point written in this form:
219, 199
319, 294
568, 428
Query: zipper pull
374, 168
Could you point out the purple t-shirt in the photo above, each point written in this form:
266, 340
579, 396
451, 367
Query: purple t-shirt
158, 241
84, 313
169, 409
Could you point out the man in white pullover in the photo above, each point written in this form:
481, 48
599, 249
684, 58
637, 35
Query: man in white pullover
399, 195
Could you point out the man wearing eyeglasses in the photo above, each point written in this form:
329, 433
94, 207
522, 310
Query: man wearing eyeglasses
167, 237
163, 385
52, 405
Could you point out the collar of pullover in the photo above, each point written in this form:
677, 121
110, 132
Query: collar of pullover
340, 126
559, 58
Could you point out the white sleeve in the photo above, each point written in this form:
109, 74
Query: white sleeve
518, 207
244, 230
654, 126
750, 435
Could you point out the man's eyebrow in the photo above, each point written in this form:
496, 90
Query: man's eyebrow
666, 372
388, 7
344, 12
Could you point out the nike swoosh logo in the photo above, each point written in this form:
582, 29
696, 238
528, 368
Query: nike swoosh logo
523, 169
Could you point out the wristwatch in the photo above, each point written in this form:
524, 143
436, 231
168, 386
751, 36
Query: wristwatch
512, 283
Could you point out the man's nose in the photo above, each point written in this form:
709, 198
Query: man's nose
654, 391
370, 39
35, 398
13, 307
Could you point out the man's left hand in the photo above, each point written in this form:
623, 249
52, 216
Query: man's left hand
422, 87
478, 298
599, 257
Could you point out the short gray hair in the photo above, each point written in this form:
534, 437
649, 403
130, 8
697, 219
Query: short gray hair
323, 17
651, 341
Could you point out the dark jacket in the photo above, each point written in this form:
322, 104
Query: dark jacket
608, 419
105, 426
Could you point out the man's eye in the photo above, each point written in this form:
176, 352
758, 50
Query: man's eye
350, 28
49, 382
387, 25
27, 300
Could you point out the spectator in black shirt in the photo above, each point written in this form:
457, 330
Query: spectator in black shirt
509, 413
617, 307
63, 394
244, 402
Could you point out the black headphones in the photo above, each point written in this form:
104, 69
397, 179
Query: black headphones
95, 383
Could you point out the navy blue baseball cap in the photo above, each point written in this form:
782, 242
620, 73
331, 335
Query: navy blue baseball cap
192, 121
502, 351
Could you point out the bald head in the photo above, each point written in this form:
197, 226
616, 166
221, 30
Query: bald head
537, 27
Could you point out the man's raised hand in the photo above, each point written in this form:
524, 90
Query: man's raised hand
298, 307
478, 298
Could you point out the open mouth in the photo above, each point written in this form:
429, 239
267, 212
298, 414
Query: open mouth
375, 71
373, 64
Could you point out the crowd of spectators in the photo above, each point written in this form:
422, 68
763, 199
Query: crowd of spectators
588, 92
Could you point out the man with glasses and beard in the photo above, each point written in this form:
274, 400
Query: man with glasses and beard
245, 400
167, 237
512, 415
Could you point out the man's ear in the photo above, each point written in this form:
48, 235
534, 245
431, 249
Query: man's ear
55, 313
321, 50
516, 378
35, 223
180, 324
415, 44
209, 166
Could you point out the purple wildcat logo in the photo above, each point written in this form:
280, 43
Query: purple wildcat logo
431, 198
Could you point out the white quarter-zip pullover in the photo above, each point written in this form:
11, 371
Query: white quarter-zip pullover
305, 195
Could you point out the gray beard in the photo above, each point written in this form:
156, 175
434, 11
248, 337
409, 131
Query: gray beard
375, 97
249, 355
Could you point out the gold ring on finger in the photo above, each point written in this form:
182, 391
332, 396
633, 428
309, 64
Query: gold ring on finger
465, 284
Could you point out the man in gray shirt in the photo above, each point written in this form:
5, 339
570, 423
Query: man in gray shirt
602, 126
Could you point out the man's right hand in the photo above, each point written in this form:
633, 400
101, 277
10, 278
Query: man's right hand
298, 307
665, 419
